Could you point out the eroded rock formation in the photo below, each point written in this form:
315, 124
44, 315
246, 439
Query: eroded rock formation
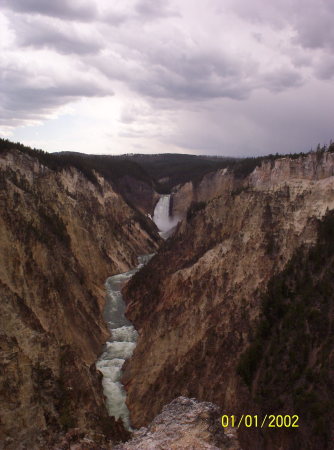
212, 322
197, 303
61, 236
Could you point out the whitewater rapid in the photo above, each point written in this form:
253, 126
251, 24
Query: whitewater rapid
123, 335
162, 218
120, 346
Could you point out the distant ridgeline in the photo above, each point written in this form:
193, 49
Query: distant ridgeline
161, 171
111, 167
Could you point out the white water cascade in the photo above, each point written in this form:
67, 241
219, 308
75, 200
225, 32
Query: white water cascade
161, 217
123, 335
120, 346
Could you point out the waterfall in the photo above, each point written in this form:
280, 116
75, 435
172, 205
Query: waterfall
162, 218
123, 335
120, 346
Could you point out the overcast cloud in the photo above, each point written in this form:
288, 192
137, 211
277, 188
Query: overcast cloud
231, 78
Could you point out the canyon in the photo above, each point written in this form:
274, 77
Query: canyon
61, 237
197, 305
215, 307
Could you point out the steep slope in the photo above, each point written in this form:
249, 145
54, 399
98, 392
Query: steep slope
61, 235
196, 304
289, 366
235, 176
127, 178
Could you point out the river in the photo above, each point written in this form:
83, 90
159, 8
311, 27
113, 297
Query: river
123, 338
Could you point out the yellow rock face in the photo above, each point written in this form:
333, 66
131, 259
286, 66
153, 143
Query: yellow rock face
60, 238
197, 301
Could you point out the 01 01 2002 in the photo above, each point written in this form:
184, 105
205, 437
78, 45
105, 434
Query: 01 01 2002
253, 420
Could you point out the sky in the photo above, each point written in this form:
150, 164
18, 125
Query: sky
216, 77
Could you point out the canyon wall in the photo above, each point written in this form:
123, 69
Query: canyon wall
61, 236
139, 194
197, 303
271, 171
211, 186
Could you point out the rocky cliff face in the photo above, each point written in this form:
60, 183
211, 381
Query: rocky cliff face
311, 167
139, 194
61, 236
185, 424
197, 303
289, 365
211, 186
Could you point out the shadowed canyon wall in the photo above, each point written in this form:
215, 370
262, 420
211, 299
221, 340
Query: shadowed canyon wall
198, 302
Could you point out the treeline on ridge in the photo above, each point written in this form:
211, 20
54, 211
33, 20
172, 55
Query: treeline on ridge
161, 171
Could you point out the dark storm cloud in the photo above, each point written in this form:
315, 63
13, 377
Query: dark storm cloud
24, 99
164, 83
114, 18
141, 11
66, 9
282, 79
317, 34
186, 62
309, 25
325, 70
154, 9
181, 72
314, 26
311, 20
264, 124
38, 33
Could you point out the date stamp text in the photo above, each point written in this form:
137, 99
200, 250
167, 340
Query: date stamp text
267, 421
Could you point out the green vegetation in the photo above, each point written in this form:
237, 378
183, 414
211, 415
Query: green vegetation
173, 169
111, 167
289, 366
194, 208
161, 171
53, 223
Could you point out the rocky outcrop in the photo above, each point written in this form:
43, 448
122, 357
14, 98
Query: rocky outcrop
184, 424
211, 186
139, 194
61, 236
196, 304
313, 166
